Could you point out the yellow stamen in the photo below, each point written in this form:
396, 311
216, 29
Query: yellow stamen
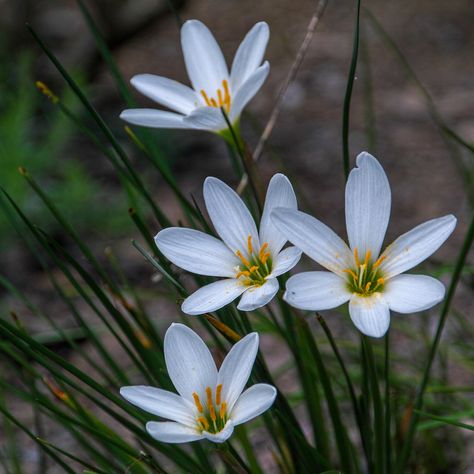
367, 257
197, 402
204, 423
225, 85
351, 273
242, 273
261, 254
244, 260
265, 257
253, 269
379, 261
210, 405
223, 410
219, 98
218, 394
380, 281
213, 102
249, 244
206, 98
367, 287
356, 257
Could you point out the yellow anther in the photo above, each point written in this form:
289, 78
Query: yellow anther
242, 273
242, 258
197, 402
253, 269
351, 273
265, 257
210, 404
220, 98
223, 410
213, 102
380, 281
206, 98
249, 244
44, 89
218, 394
379, 261
367, 287
225, 85
356, 257
367, 257
204, 423
262, 253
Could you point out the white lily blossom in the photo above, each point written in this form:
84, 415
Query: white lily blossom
249, 260
371, 282
211, 402
212, 85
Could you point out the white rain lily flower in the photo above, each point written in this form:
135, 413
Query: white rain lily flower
213, 86
250, 261
372, 282
210, 402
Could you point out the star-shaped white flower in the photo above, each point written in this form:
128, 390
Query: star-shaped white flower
213, 86
372, 282
210, 402
250, 261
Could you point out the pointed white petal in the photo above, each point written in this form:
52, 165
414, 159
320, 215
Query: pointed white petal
416, 245
223, 435
196, 252
212, 297
368, 201
258, 296
279, 194
190, 365
249, 56
315, 291
206, 118
248, 90
203, 57
236, 369
154, 118
314, 238
253, 402
370, 314
161, 403
166, 92
170, 432
230, 216
285, 261
413, 293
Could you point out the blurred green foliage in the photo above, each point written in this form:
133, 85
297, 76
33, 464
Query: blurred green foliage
43, 143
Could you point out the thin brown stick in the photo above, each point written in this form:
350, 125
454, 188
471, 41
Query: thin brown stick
311, 29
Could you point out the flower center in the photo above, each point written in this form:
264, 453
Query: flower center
212, 416
254, 269
365, 279
223, 97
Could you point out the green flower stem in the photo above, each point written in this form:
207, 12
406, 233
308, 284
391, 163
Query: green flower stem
461, 260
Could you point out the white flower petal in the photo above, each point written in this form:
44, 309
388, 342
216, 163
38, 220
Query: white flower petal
416, 245
285, 261
190, 365
258, 296
223, 435
166, 92
315, 291
212, 297
230, 216
206, 118
170, 432
236, 368
413, 293
314, 238
253, 402
279, 194
249, 56
248, 90
196, 252
203, 57
161, 403
370, 314
154, 118
367, 205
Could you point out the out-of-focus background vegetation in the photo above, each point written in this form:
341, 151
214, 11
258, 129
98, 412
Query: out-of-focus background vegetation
391, 117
